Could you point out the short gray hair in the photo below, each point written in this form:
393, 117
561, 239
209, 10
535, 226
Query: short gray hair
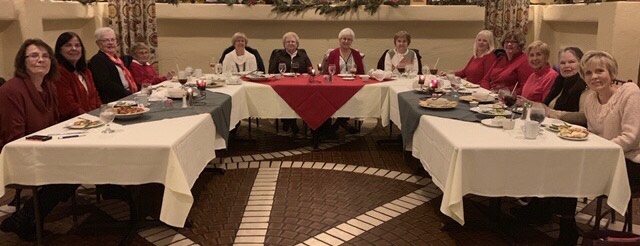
290, 34
345, 32
138, 46
238, 35
101, 31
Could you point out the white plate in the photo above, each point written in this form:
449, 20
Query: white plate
345, 75
348, 78
491, 113
289, 74
122, 103
470, 98
95, 123
471, 85
131, 116
573, 139
489, 123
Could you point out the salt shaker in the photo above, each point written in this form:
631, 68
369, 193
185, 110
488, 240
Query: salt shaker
184, 100
526, 111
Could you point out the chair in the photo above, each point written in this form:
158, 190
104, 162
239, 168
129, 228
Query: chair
2, 80
384, 54
127, 59
628, 216
252, 51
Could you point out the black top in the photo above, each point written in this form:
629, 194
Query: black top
568, 91
281, 55
250, 50
107, 78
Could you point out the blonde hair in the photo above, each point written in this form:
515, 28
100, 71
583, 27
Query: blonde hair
601, 58
539, 45
345, 32
291, 34
489, 35
238, 35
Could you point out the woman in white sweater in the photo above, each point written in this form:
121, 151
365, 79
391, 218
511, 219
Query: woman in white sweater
239, 60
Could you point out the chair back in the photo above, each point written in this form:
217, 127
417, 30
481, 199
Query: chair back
253, 51
2, 81
384, 54
273, 55
127, 59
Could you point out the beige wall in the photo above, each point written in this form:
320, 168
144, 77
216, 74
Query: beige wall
192, 34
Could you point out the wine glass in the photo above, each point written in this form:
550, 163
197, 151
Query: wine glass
425, 70
107, 114
282, 68
408, 69
213, 64
537, 114
294, 68
332, 69
188, 71
433, 71
218, 69
182, 78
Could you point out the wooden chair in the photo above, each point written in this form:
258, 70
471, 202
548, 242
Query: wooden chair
628, 216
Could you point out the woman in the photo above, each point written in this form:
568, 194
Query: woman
481, 60
76, 90
569, 89
289, 55
141, 69
239, 60
113, 79
540, 81
28, 104
344, 56
511, 69
401, 56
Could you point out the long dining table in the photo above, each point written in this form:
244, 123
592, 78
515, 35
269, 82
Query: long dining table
465, 157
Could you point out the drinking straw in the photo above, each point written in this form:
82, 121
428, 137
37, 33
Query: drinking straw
177, 68
436, 66
514, 88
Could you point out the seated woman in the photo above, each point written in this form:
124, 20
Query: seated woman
141, 68
569, 89
344, 57
510, 70
113, 79
289, 55
28, 104
401, 56
77, 93
481, 60
540, 81
239, 60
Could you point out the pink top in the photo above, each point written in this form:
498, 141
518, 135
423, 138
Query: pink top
505, 73
477, 67
617, 120
144, 73
539, 84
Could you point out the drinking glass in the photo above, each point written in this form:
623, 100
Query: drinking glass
537, 114
188, 71
213, 64
401, 69
182, 77
107, 114
425, 70
294, 68
408, 69
332, 69
282, 68
218, 69
433, 71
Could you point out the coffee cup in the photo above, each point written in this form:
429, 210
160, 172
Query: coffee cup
531, 129
364, 77
142, 99
508, 124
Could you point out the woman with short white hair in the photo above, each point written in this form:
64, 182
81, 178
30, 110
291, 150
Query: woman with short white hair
344, 56
239, 60
112, 77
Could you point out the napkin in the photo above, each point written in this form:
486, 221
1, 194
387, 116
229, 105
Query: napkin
380, 75
158, 95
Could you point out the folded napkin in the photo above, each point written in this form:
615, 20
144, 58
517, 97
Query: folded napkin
380, 75
158, 95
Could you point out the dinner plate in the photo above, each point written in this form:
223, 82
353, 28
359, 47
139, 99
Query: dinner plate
348, 78
469, 98
573, 139
491, 112
122, 103
471, 85
133, 115
489, 123
345, 75
215, 85
464, 92
289, 74
449, 105
93, 124
252, 77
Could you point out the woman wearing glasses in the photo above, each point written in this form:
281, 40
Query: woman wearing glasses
28, 104
113, 79
511, 69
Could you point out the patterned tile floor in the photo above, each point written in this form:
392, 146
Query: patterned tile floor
278, 190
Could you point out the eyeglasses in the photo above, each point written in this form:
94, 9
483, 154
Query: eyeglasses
111, 40
35, 56
511, 42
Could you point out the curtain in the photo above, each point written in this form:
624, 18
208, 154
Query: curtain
504, 15
134, 21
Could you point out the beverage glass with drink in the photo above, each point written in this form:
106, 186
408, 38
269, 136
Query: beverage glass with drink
107, 115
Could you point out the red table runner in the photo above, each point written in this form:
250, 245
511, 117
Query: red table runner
316, 102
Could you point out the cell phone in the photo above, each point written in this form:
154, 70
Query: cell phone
40, 138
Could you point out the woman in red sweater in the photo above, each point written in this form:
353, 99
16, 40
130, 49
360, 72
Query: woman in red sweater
76, 90
345, 56
511, 68
141, 68
481, 60
540, 81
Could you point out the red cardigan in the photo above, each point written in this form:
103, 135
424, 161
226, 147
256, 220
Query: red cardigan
73, 99
539, 84
334, 58
144, 73
505, 73
477, 67
24, 110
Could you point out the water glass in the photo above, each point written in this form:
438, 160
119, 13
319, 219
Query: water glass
294, 68
142, 99
145, 89
107, 115
282, 67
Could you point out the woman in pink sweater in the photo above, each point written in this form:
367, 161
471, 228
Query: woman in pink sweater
540, 81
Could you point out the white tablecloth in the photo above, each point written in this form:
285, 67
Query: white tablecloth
172, 152
469, 158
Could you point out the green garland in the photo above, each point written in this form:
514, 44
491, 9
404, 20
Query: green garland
324, 7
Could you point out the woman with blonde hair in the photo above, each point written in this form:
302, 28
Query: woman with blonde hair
239, 60
481, 59
539, 83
